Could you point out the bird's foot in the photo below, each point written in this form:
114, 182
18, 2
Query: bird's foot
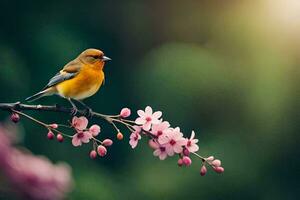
88, 112
74, 111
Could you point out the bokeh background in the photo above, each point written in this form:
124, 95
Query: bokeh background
227, 69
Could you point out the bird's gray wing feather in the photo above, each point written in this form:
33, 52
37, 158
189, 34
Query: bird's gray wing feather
69, 71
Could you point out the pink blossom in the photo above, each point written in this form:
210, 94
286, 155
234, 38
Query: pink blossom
15, 117
101, 150
107, 142
147, 118
34, 177
93, 154
216, 163
219, 169
191, 143
60, 137
173, 141
94, 130
50, 135
135, 137
159, 129
186, 160
161, 152
125, 112
80, 123
81, 137
203, 170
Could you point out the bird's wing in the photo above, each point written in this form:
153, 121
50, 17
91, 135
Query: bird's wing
69, 71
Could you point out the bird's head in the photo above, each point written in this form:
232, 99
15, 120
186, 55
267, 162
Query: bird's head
94, 57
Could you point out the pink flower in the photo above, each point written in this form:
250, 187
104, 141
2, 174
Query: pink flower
159, 129
173, 141
135, 137
80, 123
102, 151
125, 112
147, 118
161, 152
81, 137
94, 130
191, 143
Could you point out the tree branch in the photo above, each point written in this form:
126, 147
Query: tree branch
54, 108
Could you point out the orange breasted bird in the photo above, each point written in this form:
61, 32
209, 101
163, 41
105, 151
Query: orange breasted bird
79, 79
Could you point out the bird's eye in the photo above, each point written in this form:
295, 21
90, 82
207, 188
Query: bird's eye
97, 56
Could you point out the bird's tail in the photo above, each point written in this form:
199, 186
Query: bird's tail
46, 92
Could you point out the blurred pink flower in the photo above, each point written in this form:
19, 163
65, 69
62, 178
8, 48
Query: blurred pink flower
80, 123
159, 129
173, 141
191, 143
135, 137
33, 177
147, 118
81, 137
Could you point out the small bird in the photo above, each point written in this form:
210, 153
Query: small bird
79, 79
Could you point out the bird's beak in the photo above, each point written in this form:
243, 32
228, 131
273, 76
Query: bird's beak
105, 58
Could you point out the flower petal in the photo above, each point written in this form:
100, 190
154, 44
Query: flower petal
141, 113
76, 141
140, 121
157, 114
147, 126
148, 110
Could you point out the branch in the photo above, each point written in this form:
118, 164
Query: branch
162, 138
54, 108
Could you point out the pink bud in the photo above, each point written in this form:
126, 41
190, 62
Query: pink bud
101, 150
53, 126
210, 158
216, 163
107, 142
180, 162
15, 117
219, 169
186, 152
95, 130
203, 170
60, 137
186, 161
50, 135
120, 136
125, 112
153, 144
93, 154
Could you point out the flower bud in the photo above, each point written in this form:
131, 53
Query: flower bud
180, 162
219, 169
15, 117
125, 112
107, 142
186, 152
50, 135
93, 154
101, 150
53, 126
186, 161
210, 158
216, 163
95, 130
120, 136
203, 170
60, 137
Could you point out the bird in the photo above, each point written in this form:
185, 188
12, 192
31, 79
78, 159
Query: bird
78, 80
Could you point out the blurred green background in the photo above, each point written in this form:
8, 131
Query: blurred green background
227, 69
